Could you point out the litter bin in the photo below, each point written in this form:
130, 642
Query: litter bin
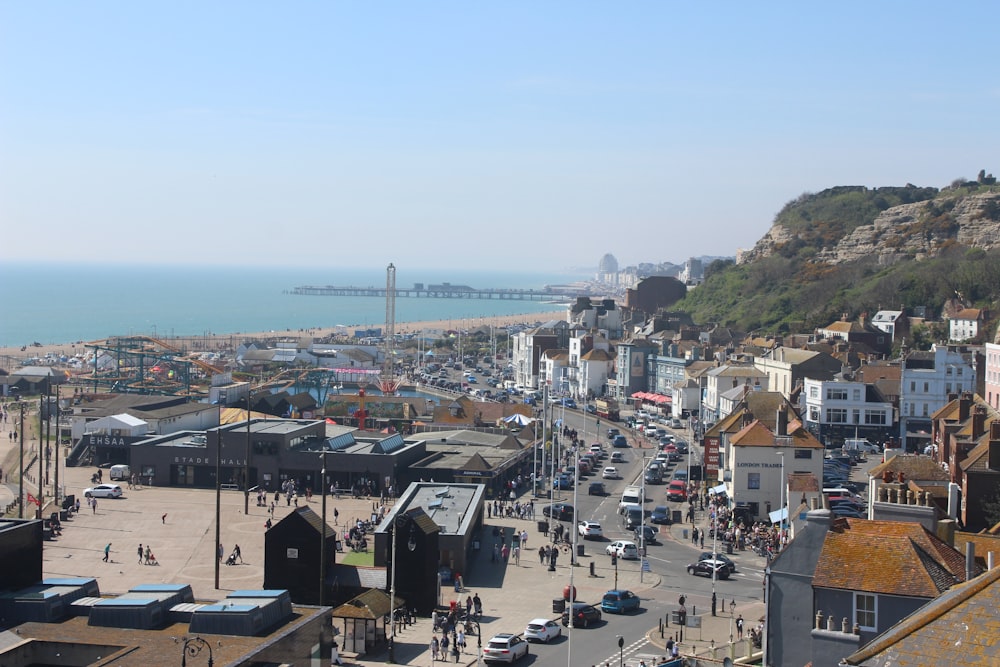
543, 527
675, 516
579, 549
684, 531
558, 606
729, 548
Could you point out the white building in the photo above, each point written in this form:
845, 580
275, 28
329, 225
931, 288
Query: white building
926, 380
992, 377
723, 378
756, 463
839, 409
964, 325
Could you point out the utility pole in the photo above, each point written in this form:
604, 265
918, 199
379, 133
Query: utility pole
20, 478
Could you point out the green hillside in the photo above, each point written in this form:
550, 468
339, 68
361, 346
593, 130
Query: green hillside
789, 289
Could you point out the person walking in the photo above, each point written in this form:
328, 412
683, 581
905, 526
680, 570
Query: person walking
147, 555
435, 649
460, 640
107, 552
517, 555
739, 627
221, 552
93, 505
237, 553
139, 551
541, 554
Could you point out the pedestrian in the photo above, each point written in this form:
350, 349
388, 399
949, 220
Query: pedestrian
237, 553
139, 551
148, 555
221, 552
702, 536
454, 651
517, 555
541, 554
163, 519
496, 553
335, 654
505, 552
477, 605
434, 648
739, 627
524, 539
107, 552
460, 640
468, 605
444, 646
93, 505
336, 514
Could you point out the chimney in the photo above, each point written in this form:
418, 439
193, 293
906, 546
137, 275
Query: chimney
978, 421
946, 531
781, 423
964, 406
970, 560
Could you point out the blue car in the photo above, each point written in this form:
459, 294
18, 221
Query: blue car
619, 602
562, 482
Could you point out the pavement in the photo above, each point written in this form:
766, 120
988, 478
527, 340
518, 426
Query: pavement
179, 526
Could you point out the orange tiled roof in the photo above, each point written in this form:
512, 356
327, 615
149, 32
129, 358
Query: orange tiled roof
922, 468
887, 557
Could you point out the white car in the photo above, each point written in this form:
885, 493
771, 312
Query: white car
505, 647
610, 472
624, 549
103, 491
542, 630
590, 529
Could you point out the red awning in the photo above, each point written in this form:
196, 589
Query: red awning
660, 398
639, 394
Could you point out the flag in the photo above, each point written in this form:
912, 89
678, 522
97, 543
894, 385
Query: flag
32, 499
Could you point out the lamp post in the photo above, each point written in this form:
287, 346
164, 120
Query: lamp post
411, 545
246, 465
781, 495
192, 647
479, 644
642, 520
20, 478
218, 505
322, 538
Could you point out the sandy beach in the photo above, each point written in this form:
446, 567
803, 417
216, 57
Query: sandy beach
11, 357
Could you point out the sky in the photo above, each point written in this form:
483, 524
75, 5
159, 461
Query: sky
526, 135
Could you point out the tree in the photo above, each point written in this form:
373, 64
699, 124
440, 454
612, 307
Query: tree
991, 508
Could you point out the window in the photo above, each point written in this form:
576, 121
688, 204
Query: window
857, 394
803, 453
836, 416
836, 394
875, 417
958, 371
865, 611
948, 371
753, 480
926, 387
813, 392
926, 413
913, 386
813, 414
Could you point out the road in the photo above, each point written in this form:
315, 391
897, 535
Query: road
669, 558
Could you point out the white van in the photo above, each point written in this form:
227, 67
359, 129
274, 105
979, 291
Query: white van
120, 472
861, 445
632, 495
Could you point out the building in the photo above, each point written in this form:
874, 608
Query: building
788, 367
602, 316
726, 377
965, 325
838, 409
991, 372
630, 369
528, 348
758, 459
926, 381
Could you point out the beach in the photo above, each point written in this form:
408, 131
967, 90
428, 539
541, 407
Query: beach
11, 357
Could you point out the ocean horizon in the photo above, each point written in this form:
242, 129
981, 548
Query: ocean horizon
60, 303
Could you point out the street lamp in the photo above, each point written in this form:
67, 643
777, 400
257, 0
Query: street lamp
479, 643
246, 465
192, 647
781, 494
411, 544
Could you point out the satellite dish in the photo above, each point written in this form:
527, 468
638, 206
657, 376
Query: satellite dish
727, 662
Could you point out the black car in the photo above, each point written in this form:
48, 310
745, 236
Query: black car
560, 511
583, 615
730, 565
646, 535
706, 567
597, 489
653, 477
660, 515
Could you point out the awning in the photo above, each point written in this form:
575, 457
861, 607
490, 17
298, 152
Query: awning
659, 398
639, 394
718, 490
779, 516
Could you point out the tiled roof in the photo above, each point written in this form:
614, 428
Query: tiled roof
887, 557
960, 628
725, 425
967, 314
844, 327
754, 434
922, 468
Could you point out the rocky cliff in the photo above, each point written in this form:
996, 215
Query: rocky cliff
915, 230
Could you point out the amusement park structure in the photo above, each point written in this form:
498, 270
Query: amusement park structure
145, 365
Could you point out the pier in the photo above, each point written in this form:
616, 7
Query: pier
448, 291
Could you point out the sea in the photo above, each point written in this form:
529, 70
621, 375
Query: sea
70, 303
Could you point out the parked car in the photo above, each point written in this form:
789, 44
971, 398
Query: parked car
103, 491
583, 614
707, 567
590, 530
730, 565
505, 647
660, 515
619, 601
646, 535
624, 549
560, 511
542, 630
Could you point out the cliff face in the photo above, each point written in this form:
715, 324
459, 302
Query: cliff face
918, 230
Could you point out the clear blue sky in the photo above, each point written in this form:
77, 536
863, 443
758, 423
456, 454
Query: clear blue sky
470, 134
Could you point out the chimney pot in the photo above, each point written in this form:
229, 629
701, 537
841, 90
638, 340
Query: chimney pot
844, 624
819, 619
829, 622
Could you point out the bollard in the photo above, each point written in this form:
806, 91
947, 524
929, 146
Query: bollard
592, 569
